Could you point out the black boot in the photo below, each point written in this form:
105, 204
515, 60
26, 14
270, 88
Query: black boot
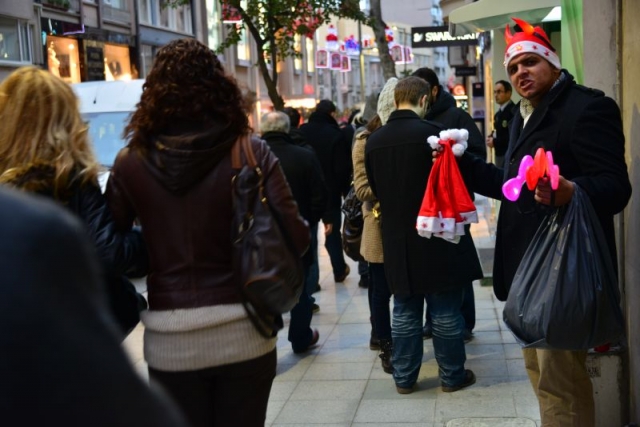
385, 355
374, 342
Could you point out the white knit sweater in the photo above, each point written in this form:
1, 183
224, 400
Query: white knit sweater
203, 337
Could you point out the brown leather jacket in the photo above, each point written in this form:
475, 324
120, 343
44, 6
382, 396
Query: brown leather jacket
180, 191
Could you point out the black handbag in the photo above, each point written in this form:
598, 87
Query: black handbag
352, 226
269, 274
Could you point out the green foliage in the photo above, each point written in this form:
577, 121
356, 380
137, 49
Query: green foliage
273, 24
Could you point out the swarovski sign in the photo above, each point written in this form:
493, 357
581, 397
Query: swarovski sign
439, 36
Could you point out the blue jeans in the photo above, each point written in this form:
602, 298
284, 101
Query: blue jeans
468, 309
300, 333
380, 296
333, 243
448, 341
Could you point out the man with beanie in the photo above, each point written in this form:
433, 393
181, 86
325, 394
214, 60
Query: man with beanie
583, 129
398, 163
333, 148
443, 109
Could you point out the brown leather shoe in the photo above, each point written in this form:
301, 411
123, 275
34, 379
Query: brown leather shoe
405, 390
340, 279
469, 379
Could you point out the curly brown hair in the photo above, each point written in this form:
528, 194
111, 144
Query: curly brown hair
186, 85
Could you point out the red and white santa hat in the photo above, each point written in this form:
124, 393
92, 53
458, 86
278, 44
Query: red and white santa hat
529, 40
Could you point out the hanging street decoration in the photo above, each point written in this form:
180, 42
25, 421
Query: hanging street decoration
345, 63
322, 58
332, 39
336, 61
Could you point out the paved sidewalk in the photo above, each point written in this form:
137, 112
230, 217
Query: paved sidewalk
341, 383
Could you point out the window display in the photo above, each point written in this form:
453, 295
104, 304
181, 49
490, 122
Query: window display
117, 64
63, 59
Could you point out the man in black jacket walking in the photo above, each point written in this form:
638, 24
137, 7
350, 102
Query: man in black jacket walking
333, 148
303, 173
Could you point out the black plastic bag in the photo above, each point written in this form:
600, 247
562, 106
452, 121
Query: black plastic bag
565, 292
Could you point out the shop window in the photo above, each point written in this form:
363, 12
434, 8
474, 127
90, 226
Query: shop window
15, 40
63, 58
117, 65
116, 4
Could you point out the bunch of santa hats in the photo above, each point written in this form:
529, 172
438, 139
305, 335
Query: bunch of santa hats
446, 206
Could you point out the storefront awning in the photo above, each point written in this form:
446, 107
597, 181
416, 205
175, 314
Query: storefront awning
485, 15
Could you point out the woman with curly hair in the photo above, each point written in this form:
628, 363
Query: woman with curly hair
175, 177
44, 149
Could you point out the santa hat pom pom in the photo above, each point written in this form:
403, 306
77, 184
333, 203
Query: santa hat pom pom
464, 134
445, 135
454, 134
464, 143
433, 141
458, 149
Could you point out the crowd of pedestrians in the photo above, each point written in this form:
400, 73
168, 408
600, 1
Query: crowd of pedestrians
167, 212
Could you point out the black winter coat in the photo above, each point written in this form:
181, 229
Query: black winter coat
333, 148
398, 161
61, 362
120, 253
501, 121
583, 130
304, 175
446, 112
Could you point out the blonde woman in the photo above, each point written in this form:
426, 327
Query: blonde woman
44, 149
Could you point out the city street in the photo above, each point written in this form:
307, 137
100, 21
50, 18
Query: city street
341, 383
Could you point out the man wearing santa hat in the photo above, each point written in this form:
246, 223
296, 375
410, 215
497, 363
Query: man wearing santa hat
583, 129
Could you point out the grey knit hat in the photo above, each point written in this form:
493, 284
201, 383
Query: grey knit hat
386, 100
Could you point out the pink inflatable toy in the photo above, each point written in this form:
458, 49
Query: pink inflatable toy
530, 171
513, 187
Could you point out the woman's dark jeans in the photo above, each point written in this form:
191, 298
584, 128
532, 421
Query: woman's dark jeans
380, 297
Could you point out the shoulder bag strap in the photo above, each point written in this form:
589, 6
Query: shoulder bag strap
248, 151
243, 143
236, 161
